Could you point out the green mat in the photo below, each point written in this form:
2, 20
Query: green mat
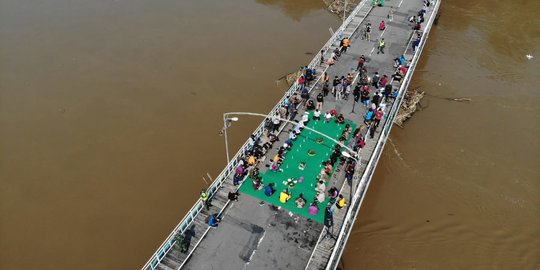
306, 141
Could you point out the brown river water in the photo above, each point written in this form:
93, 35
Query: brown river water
110, 113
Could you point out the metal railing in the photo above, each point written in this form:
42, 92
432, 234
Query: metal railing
372, 164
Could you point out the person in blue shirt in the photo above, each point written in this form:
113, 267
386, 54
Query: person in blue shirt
269, 189
213, 220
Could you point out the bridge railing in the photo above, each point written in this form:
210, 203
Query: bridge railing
372, 164
184, 224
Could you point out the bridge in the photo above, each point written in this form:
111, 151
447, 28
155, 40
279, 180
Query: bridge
258, 231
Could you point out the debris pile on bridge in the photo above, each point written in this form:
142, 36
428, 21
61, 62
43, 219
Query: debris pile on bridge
337, 6
408, 106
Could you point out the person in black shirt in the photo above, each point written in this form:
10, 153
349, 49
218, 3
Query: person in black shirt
376, 99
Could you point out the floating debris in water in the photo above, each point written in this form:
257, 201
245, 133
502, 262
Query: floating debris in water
529, 57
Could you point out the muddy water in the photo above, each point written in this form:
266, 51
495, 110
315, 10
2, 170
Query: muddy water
109, 114
459, 187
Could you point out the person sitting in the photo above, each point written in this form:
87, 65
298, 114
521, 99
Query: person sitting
317, 115
240, 169
305, 119
321, 187
396, 62
277, 158
330, 61
257, 184
299, 127
292, 136
237, 178
327, 117
397, 77
233, 195
284, 196
313, 208
333, 192
269, 190
251, 160
340, 119
288, 144
320, 197
310, 105
402, 70
402, 60
213, 220
382, 26
274, 166
340, 202
300, 201
309, 74
328, 168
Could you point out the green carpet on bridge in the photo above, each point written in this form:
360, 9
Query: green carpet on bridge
305, 142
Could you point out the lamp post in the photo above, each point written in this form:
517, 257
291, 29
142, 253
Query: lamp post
226, 123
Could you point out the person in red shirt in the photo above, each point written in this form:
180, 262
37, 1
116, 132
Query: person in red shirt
361, 62
378, 117
383, 81
302, 82
402, 70
382, 26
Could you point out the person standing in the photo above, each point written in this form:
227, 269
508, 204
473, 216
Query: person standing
356, 92
378, 116
338, 91
361, 62
325, 89
381, 46
320, 100
205, 199
345, 43
391, 14
325, 78
368, 31
302, 82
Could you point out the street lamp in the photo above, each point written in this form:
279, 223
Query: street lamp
227, 123
348, 155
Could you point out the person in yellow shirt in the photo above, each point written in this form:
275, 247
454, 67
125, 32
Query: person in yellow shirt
284, 196
251, 160
340, 202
